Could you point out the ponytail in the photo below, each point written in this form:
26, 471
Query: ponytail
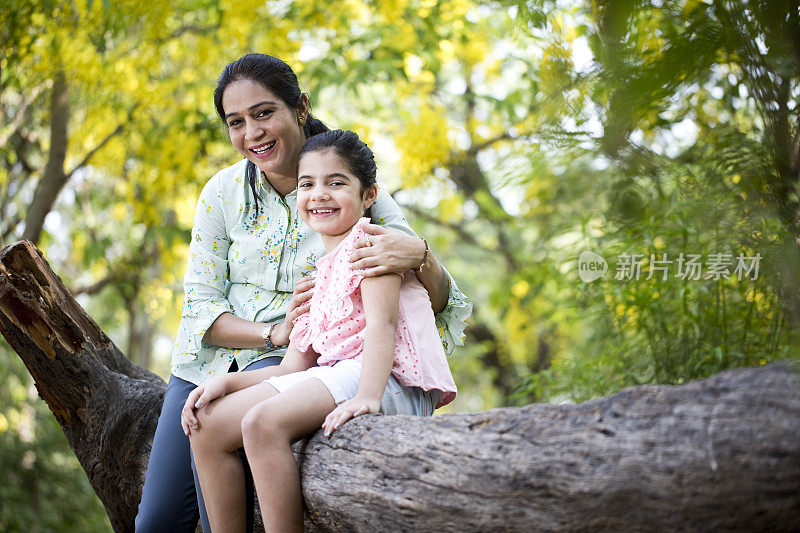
314, 126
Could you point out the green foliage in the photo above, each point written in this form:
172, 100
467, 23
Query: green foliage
691, 109
44, 488
515, 134
673, 330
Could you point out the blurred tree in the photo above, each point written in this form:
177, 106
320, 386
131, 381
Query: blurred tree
700, 134
730, 67
514, 133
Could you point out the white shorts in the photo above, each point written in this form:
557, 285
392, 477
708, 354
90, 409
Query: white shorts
342, 379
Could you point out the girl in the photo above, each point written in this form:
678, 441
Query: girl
363, 337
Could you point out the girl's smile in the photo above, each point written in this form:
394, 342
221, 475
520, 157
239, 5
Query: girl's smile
329, 196
322, 212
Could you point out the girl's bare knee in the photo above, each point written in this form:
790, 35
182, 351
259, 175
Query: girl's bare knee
215, 433
261, 427
198, 439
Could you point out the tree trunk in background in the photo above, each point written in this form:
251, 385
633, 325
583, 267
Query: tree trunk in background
722, 453
54, 177
140, 330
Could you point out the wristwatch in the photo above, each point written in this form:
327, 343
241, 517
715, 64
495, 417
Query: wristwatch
266, 335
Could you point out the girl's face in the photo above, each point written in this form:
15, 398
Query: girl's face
263, 128
329, 196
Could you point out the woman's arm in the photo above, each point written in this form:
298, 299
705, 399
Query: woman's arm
381, 308
393, 251
206, 275
231, 331
207, 315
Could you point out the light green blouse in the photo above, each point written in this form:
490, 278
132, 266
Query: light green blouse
248, 265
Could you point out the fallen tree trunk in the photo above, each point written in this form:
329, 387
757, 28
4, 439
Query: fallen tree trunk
723, 453
107, 406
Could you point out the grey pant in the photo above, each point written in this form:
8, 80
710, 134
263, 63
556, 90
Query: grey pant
399, 400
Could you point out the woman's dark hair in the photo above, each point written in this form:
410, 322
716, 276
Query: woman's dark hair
353, 151
280, 79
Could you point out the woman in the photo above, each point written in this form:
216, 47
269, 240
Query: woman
245, 280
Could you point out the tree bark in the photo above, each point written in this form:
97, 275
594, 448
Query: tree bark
107, 406
722, 453
717, 454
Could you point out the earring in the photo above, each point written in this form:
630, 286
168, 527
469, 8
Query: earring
300, 121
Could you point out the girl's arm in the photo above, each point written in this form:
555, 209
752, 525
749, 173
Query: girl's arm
451, 307
217, 387
381, 307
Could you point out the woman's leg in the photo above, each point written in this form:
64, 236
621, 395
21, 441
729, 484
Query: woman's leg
400, 400
249, 496
168, 497
215, 448
268, 431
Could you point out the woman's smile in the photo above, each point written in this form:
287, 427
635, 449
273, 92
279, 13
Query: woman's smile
263, 128
263, 150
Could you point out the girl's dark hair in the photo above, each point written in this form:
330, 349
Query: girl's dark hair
353, 151
280, 79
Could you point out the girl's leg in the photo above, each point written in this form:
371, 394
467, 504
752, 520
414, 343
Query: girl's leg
269, 429
219, 467
261, 363
168, 496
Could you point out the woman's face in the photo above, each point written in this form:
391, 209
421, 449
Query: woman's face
263, 128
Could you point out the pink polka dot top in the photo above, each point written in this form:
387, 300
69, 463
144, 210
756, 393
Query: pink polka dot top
334, 326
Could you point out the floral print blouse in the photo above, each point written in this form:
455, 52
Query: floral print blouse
248, 265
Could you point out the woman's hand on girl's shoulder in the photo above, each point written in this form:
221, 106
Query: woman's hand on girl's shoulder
350, 409
204, 394
386, 250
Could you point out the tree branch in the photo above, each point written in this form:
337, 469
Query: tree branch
721, 453
11, 225
98, 286
19, 116
102, 143
456, 228
53, 178
506, 135
189, 28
